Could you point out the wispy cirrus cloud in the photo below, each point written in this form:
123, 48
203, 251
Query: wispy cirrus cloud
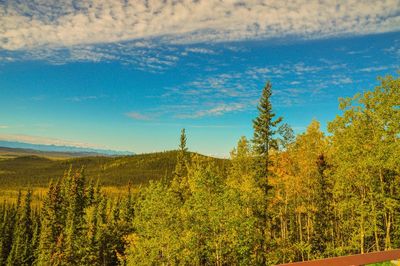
4, 126
378, 68
140, 54
200, 50
84, 98
139, 116
394, 49
218, 110
239, 91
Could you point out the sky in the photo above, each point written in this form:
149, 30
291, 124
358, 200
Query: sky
128, 75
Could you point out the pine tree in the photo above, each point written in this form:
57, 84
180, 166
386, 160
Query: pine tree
10, 218
180, 170
179, 184
264, 131
52, 223
89, 244
22, 249
128, 210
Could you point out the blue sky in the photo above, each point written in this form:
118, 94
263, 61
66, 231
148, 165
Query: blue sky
129, 75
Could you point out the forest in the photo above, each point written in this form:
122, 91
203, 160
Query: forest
282, 198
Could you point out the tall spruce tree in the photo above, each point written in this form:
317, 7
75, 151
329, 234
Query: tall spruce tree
22, 249
179, 183
264, 130
10, 218
52, 223
180, 163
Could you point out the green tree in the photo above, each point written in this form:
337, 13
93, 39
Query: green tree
9, 220
52, 223
264, 131
264, 139
22, 252
157, 227
249, 198
366, 159
179, 184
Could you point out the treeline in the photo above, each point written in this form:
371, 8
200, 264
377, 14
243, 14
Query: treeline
284, 198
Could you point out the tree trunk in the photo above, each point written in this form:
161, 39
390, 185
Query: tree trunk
375, 226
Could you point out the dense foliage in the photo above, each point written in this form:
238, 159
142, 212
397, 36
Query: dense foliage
320, 196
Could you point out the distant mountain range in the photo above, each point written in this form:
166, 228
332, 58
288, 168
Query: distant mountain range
64, 149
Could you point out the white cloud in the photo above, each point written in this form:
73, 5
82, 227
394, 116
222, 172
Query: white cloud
3, 126
30, 24
46, 141
138, 116
198, 50
340, 80
375, 68
394, 49
84, 98
215, 111
138, 53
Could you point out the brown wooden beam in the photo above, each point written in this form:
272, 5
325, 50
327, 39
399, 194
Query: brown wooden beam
352, 260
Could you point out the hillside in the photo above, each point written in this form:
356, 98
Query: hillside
37, 171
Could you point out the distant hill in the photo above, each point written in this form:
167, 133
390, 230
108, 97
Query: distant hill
37, 171
63, 149
7, 153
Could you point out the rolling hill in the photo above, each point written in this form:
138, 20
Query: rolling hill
36, 170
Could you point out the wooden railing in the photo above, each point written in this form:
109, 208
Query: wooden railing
352, 260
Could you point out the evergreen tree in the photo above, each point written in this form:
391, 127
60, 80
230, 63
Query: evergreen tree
264, 131
22, 252
10, 218
128, 210
179, 184
52, 224
89, 241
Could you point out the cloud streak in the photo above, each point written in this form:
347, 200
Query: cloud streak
138, 116
218, 110
31, 24
84, 98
